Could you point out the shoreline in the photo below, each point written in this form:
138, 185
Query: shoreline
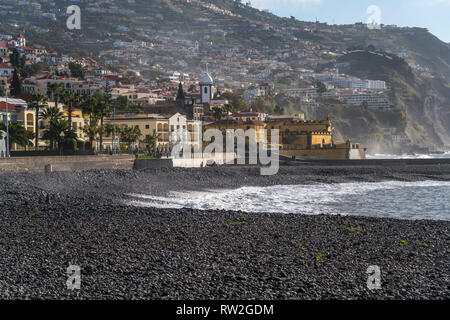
51, 221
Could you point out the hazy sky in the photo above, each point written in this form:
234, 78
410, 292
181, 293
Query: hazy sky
431, 14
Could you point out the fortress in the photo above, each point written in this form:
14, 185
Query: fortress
313, 140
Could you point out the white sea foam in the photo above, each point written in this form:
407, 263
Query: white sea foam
445, 155
408, 200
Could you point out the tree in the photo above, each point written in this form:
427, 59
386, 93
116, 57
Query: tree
365, 105
108, 129
56, 91
55, 131
192, 88
88, 107
53, 115
76, 70
70, 98
14, 58
228, 109
16, 86
120, 103
18, 134
180, 94
278, 110
37, 102
91, 130
150, 141
321, 88
130, 135
217, 113
102, 109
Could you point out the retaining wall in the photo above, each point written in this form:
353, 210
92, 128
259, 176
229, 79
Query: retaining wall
66, 163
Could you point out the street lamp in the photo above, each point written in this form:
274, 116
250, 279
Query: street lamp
7, 120
114, 134
61, 142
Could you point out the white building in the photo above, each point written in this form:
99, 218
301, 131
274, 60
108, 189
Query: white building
207, 88
6, 70
373, 101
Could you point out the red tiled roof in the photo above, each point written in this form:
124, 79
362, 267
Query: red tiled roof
24, 96
11, 107
5, 66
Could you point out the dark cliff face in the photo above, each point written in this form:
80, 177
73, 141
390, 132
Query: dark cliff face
424, 102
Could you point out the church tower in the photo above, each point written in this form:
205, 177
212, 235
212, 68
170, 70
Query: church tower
207, 88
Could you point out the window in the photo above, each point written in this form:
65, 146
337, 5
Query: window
206, 90
147, 126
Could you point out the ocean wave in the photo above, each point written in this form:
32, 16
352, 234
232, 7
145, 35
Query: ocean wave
445, 155
397, 199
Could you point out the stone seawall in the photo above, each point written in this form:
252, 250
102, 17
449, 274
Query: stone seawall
66, 163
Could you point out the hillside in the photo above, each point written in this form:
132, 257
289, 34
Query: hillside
244, 45
214, 23
424, 103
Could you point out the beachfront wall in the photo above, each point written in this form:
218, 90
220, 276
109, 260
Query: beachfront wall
218, 158
339, 152
66, 163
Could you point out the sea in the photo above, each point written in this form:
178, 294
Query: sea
394, 199
445, 155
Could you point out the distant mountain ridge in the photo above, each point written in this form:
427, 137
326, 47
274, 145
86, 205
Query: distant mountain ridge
100, 20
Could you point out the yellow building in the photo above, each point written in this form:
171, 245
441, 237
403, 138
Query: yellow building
78, 121
257, 126
18, 113
312, 140
297, 138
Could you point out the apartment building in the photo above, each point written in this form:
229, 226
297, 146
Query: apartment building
41, 85
373, 101
18, 112
170, 131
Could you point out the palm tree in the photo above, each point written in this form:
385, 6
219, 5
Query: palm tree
55, 131
56, 91
70, 98
130, 135
18, 134
102, 109
150, 141
91, 130
88, 106
217, 113
37, 102
108, 129
52, 115
228, 109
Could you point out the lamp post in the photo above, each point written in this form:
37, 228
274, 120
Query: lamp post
114, 134
7, 120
